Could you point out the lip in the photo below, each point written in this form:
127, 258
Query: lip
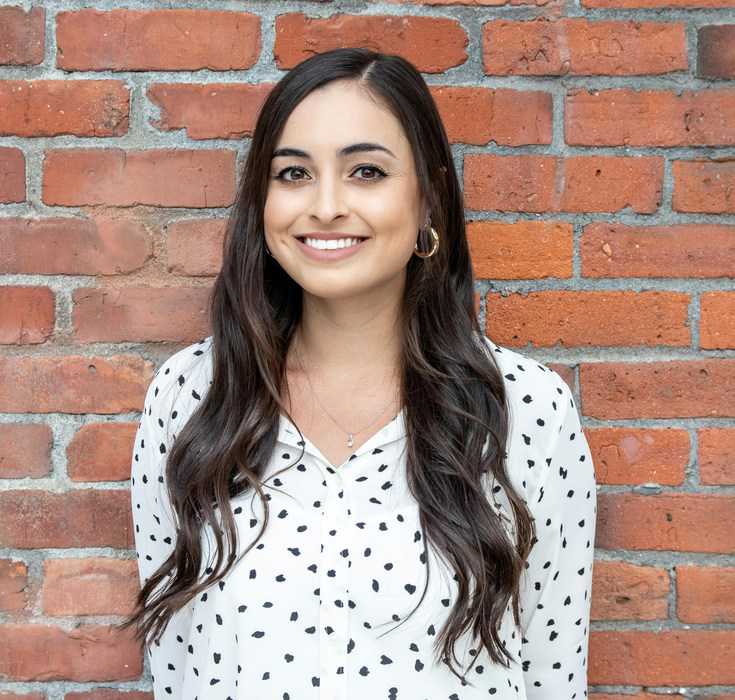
329, 255
329, 236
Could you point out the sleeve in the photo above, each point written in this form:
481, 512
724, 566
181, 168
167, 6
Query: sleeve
555, 591
155, 532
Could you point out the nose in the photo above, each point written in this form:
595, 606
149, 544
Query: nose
329, 198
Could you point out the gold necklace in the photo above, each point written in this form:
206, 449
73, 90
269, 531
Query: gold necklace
350, 435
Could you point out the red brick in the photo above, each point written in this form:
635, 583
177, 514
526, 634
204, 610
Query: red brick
705, 594
73, 384
111, 694
639, 455
507, 117
53, 107
9, 695
625, 117
194, 246
662, 657
717, 320
209, 111
13, 586
679, 522
578, 46
103, 245
21, 35
25, 450
520, 250
716, 448
167, 39
101, 452
78, 518
701, 388
432, 44
683, 250
543, 183
93, 586
157, 177
704, 186
599, 318
141, 314
683, 4
622, 591
36, 652
716, 49
12, 175
28, 315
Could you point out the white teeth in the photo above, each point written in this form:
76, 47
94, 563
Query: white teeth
331, 245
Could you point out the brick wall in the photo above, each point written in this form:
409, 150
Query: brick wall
596, 146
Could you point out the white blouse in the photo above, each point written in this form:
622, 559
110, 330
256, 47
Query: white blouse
316, 609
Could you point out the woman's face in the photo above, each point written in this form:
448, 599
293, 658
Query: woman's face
367, 193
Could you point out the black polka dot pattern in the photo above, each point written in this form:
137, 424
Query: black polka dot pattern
319, 608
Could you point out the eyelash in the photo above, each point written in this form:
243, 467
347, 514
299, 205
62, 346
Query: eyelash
359, 167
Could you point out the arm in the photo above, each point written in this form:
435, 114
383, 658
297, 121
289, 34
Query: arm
155, 532
556, 585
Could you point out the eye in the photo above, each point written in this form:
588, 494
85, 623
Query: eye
380, 173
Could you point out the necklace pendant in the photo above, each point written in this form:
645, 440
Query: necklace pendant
349, 440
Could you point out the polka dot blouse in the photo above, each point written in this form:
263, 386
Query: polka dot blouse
316, 610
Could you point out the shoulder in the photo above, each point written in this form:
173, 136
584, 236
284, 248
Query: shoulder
180, 383
538, 400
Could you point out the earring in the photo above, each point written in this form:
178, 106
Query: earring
434, 246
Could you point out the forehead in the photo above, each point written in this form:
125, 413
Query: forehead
338, 114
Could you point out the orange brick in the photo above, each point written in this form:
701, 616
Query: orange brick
104, 245
21, 35
93, 586
141, 314
37, 652
622, 591
194, 246
73, 384
78, 518
25, 450
432, 44
209, 111
704, 186
28, 315
662, 657
600, 318
158, 177
717, 320
520, 250
541, 183
706, 594
680, 522
621, 118
54, 107
716, 448
639, 455
578, 46
12, 175
13, 586
683, 250
701, 388
101, 452
168, 39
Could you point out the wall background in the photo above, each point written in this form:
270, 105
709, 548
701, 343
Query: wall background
596, 143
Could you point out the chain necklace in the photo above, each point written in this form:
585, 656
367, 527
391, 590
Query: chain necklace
350, 435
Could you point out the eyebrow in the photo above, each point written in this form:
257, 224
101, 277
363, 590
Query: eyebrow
362, 147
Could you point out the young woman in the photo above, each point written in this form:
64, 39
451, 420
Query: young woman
347, 491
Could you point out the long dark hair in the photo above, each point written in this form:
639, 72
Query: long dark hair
450, 384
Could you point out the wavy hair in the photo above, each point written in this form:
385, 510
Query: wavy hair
449, 382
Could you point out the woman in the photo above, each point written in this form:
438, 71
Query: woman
347, 491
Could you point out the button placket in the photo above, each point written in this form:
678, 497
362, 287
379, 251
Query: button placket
334, 617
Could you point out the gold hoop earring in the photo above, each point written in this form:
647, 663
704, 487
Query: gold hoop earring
434, 246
